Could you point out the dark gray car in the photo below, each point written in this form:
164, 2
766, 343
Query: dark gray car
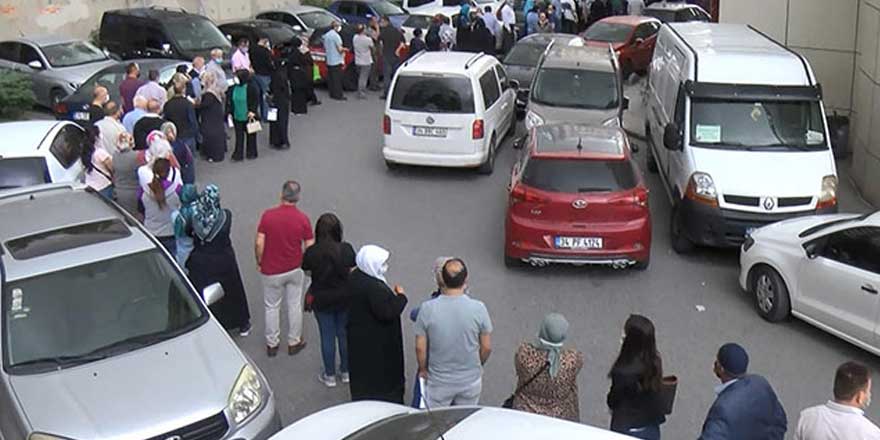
522, 61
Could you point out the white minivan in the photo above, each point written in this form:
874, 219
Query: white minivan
449, 109
736, 127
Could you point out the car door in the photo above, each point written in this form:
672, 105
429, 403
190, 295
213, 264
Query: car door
65, 150
838, 284
508, 99
493, 105
41, 84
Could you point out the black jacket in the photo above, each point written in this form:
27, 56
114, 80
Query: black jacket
329, 264
261, 60
747, 409
181, 112
253, 98
143, 127
632, 406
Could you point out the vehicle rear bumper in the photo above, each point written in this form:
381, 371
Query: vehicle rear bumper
726, 228
459, 160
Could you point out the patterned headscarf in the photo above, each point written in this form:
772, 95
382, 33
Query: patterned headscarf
208, 218
189, 196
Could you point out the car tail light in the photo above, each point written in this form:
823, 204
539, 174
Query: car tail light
477, 132
60, 108
521, 193
640, 197
386, 124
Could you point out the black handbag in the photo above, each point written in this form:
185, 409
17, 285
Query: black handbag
508, 403
668, 387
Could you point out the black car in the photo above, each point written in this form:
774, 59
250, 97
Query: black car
159, 33
253, 30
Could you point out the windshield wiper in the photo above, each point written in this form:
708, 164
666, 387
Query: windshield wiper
62, 361
131, 343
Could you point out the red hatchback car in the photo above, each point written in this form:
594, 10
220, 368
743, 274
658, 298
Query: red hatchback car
577, 197
632, 37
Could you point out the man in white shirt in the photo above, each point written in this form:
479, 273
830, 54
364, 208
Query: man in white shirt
844, 417
508, 20
110, 128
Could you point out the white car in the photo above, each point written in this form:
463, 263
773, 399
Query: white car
382, 421
37, 152
449, 109
422, 20
823, 269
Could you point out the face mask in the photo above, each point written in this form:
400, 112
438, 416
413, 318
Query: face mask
218, 60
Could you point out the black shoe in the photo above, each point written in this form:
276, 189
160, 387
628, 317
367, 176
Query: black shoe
315, 103
252, 157
284, 147
237, 159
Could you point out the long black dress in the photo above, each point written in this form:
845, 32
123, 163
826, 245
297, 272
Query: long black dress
212, 262
299, 71
280, 90
375, 341
213, 127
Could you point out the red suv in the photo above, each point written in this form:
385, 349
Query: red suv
632, 37
577, 197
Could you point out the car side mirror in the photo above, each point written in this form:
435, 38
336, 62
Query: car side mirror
513, 84
625, 104
672, 137
212, 293
36, 65
297, 28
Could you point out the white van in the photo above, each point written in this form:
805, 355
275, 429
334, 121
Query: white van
449, 109
736, 127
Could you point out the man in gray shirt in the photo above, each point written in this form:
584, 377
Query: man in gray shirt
453, 341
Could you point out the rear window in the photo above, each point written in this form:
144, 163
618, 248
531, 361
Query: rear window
16, 172
579, 176
418, 21
432, 94
525, 54
50, 242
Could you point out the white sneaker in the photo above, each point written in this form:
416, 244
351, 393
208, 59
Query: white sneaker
344, 377
329, 381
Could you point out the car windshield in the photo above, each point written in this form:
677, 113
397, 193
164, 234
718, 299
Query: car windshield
587, 89
415, 426
317, 19
792, 125
525, 54
196, 33
90, 312
72, 53
278, 34
608, 32
418, 21
447, 94
16, 172
664, 15
579, 175
385, 8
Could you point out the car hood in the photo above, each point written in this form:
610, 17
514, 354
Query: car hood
79, 74
140, 394
523, 74
341, 420
517, 425
566, 114
765, 173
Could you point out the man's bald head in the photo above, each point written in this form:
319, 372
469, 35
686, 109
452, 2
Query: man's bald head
99, 92
153, 106
454, 273
140, 102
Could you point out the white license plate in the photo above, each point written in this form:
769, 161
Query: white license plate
429, 132
81, 116
579, 242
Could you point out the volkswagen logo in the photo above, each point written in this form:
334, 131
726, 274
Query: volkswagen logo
768, 203
429, 120
174, 437
579, 204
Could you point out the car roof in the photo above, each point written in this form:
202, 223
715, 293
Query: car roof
33, 210
23, 138
46, 40
155, 12
579, 56
545, 39
671, 6
296, 9
633, 20
596, 143
255, 23
461, 63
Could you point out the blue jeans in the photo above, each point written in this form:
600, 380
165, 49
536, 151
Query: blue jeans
332, 328
651, 432
170, 244
263, 84
390, 64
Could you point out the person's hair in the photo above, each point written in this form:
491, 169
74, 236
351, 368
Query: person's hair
328, 228
179, 84
243, 42
290, 191
161, 168
131, 68
88, 147
216, 52
168, 127
153, 75
111, 108
360, 29
98, 91
488, 9
640, 347
243, 75
385, 20
139, 100
850, 379
454, 273
198, 59
153, 106
417, 32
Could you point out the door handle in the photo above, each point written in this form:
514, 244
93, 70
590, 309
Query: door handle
869, 288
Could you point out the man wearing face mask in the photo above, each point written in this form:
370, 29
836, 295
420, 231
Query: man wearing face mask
215, 65
844, 417
240, 59
335, 58
100, 96
746, 406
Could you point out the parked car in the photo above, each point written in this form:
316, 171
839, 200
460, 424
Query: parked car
577, 197
319, 55
253, 30
97, 322
824, 270
576, 83
303, 18
360, 11
56, 66
676, 12
448, 109
522, 61
76, 106
632, 37
157, 32
36, 152
717, 131
380, 420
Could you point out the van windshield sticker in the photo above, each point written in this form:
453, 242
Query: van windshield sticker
710, 134
815, 137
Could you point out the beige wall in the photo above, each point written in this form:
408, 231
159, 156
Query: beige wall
865, 133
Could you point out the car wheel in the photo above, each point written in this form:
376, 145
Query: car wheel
391, 165
642, 265
771, 295
55, 97
681, 244
489, 165
511, 262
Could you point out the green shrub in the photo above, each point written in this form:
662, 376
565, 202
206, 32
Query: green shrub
16, 95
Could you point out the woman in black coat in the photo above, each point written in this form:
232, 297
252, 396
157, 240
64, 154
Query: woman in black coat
375, 341
299, 72
482, 39
243, 104
279, 87
211, 118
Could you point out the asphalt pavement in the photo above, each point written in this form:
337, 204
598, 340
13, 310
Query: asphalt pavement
419, 214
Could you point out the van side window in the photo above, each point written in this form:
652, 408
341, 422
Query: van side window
679, 106
66, 145
489, 84
502, 78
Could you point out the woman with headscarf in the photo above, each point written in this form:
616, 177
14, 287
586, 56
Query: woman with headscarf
125, 174
157, 200
159, 148
375, 342
547, 373
299, 73
279, 87
213, 260
481, 38
182, 219
211, 114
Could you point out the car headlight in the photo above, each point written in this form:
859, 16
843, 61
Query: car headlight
611, 122
41, 436
750, 241
828, 193
247, 394
533, 120
701, 188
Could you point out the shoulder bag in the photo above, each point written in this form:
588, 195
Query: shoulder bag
508, 403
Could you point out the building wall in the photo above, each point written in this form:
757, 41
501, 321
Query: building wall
865, 130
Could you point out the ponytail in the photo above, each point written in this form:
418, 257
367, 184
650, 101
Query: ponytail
161, 167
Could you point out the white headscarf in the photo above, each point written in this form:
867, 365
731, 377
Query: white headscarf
159, 147
371, 260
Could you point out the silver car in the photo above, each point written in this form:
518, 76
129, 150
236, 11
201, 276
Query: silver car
57, 66
105, 338
303, 18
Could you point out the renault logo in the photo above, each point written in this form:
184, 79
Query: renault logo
768, 203
579, 204
429, 120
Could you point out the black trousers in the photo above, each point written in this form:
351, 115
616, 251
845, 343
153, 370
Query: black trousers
334, 81
240, 133
278, 129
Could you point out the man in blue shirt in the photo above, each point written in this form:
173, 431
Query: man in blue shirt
335, 59
131, 118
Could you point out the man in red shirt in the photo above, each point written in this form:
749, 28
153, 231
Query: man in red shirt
283, 234
129, 86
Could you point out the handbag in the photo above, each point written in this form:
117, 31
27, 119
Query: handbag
309, 301
508, 403
253, 126
668, 387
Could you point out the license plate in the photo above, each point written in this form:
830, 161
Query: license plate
579, 242
429, 132
81, 116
